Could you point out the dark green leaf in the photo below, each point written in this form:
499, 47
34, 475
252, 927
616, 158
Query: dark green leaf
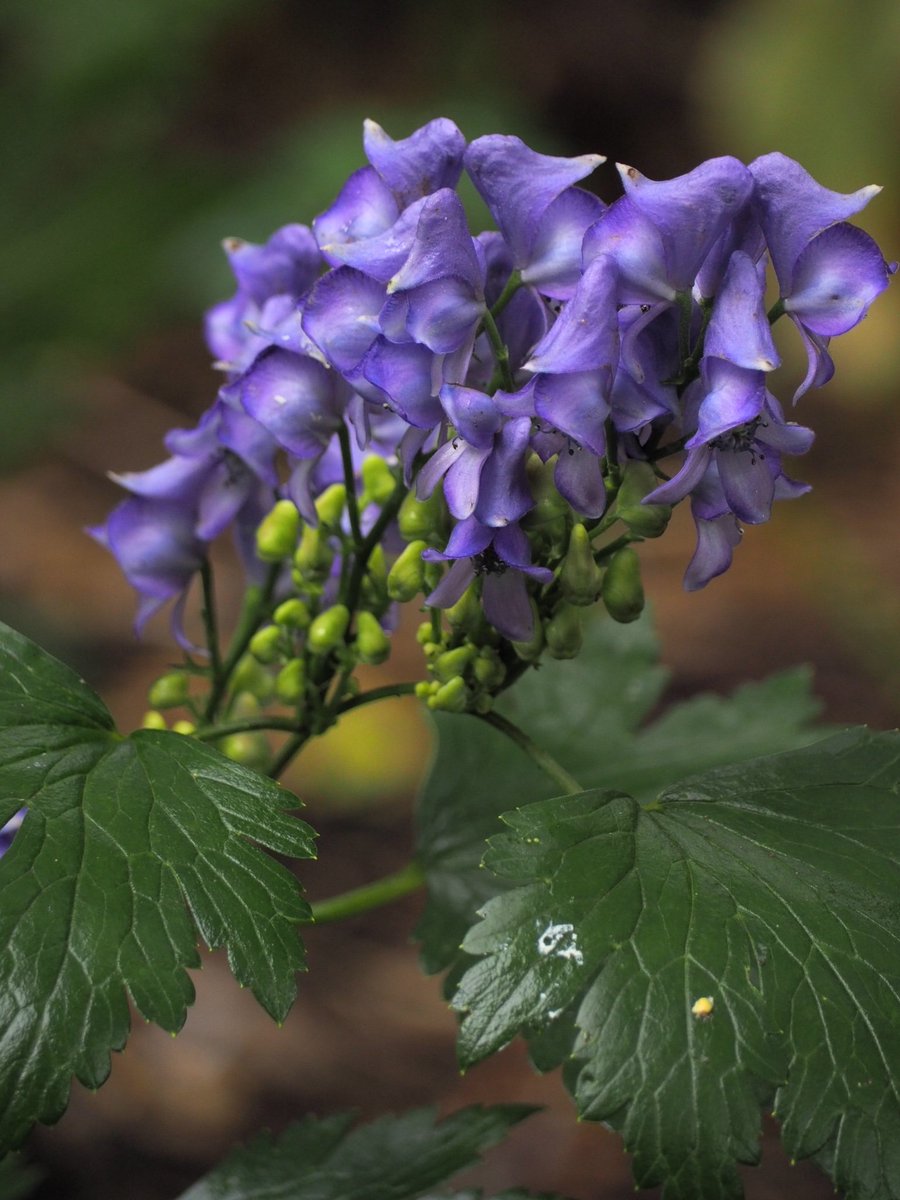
394, 1158
772, 888
586, 712
18, 1179
121, 834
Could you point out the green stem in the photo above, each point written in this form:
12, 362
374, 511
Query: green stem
256, 606
380, 693
371, 895
350, 484
368, 544
212, 733
546, 762
684, 301
291, 747
210, 620
501, 353
512, 286
776, 311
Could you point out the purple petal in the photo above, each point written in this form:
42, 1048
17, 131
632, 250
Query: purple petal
463, 481
404, 375
467, 539
579, 481
503, 494
295, 399
287, 263
442, 246
454, 583
443, 314
227, 489
474, 414
522, 324
691, 211
518, 185
341, 315
429, 159
381, 255
364, 209
733, 397
585, 336
838, 275
738, 329
555, 263
636, 245
716, 540
686, 480
748, 484
505, 599
793, 208
248, 439
820, 366
577, 405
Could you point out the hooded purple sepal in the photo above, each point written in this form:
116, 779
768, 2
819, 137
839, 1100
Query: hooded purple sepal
738, 328
341, 315
300, 402
585, 335
403, 376
429, 159
518, 185
577, 405
792, 208
836, 278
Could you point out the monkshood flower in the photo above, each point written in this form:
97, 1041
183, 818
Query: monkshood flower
829, 272
502, 559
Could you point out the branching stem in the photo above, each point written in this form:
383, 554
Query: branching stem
546, 762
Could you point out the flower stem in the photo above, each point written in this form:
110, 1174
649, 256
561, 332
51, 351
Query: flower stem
777, 310
211, 733
512, 286
546, 762
350, 484
379, 693
210, 620
371, 895
501, 353
256, 605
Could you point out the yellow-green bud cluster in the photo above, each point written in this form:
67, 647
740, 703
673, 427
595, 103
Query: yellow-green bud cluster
465, 674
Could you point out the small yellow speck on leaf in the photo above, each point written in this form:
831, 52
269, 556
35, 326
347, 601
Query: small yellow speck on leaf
703, 1007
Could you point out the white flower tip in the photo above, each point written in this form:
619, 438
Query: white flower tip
231, 245
628, 174
372, 129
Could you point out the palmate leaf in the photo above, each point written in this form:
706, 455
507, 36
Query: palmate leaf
587, 713
773, 889
394, 1158
121, 834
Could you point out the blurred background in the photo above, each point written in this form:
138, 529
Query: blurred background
136, 136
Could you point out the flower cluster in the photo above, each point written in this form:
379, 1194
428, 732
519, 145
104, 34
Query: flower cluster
528, 382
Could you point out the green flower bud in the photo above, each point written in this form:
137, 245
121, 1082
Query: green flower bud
250, 678
452, 663
331, 504
451, 697
425, 519
466, 615
646, 520
153, 720
328, 629
265, 645
169, 690
249, 749
277, 533
372, 644
424, 633
623, 593
580, 578
434, 573
489, 670
484, 703
314, 556
293, 614
531, 650
378, 481
563, 632
423, 689
290, 682
406, 577
184, 727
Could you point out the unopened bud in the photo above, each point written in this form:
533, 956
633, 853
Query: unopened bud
184, 727
623, 593
328, 629
646, 520
293, 614
425, 519
580, 577
466, 614
169, 690
277, 533
331, 504
372, 644
290, 682
489, 670
452, 663
451, 697
314, 556
563, 632
250, 678
424, 633
248, 749
265, 645
153, 720
434, 573
378, 481
406, 577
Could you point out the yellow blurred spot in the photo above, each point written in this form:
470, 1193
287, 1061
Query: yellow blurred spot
703, 1007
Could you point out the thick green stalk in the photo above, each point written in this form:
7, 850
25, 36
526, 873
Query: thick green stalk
539, 756
371, 895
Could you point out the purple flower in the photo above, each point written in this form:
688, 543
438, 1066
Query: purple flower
9, 830
501, 558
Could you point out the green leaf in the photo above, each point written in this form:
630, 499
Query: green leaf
394, 1158
773, 888
586, 712
121, 834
